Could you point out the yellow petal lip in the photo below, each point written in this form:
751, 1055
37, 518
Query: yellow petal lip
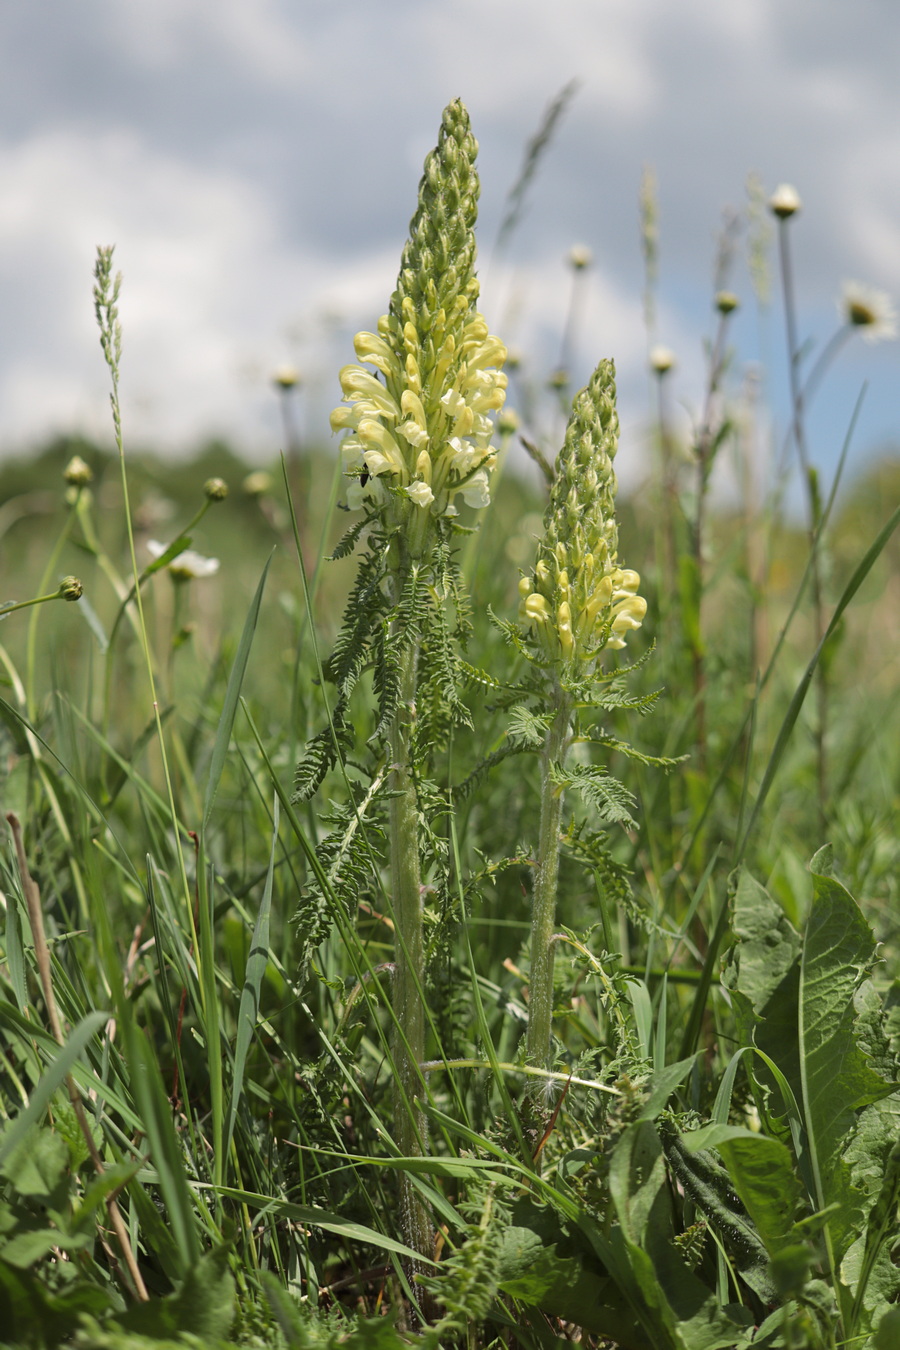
378, 443
373, 349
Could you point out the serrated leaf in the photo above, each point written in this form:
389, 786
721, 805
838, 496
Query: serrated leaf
610, 799
527, 727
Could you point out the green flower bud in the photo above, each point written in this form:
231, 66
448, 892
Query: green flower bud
216, 489
70, 588
77, 472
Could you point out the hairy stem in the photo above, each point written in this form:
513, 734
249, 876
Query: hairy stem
543, 912
409, 977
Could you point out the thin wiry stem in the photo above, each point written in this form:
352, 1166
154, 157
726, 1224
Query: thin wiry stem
810, 481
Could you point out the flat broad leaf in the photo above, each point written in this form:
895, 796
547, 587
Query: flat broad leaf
837, 1077
545, 1262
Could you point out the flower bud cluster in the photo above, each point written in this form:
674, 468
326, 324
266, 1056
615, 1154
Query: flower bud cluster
421, 422
578, 601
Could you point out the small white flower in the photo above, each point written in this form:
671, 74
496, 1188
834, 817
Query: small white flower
186, 566
785, 201
420, 493
662, 359
415, 434
580, 256
868, 309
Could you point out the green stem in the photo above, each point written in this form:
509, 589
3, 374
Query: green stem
543, 913
409, 975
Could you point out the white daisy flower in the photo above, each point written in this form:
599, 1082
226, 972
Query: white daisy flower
186, 566
868, 309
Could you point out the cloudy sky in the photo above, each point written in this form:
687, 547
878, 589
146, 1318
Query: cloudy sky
255, 163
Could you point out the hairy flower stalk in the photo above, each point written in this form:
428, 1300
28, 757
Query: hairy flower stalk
577, 604
419, 439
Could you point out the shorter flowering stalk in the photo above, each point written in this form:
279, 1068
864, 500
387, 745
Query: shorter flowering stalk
577, 604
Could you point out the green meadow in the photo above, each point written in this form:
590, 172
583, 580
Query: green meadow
452, 921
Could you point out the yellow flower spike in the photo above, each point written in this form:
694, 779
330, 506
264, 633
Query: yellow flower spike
595, 600
439, 362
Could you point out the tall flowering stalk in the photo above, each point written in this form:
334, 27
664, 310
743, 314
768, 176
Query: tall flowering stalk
419, 441
577, 604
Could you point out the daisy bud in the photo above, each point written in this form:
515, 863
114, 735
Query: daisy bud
70, 588
77, 472
785, 201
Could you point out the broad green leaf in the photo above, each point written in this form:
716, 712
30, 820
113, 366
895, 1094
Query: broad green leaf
836, 1077
545, 1261
662, 1085
763, 974
705, 1180
678, 1309
767, 1184
203, 1306
37, 1165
